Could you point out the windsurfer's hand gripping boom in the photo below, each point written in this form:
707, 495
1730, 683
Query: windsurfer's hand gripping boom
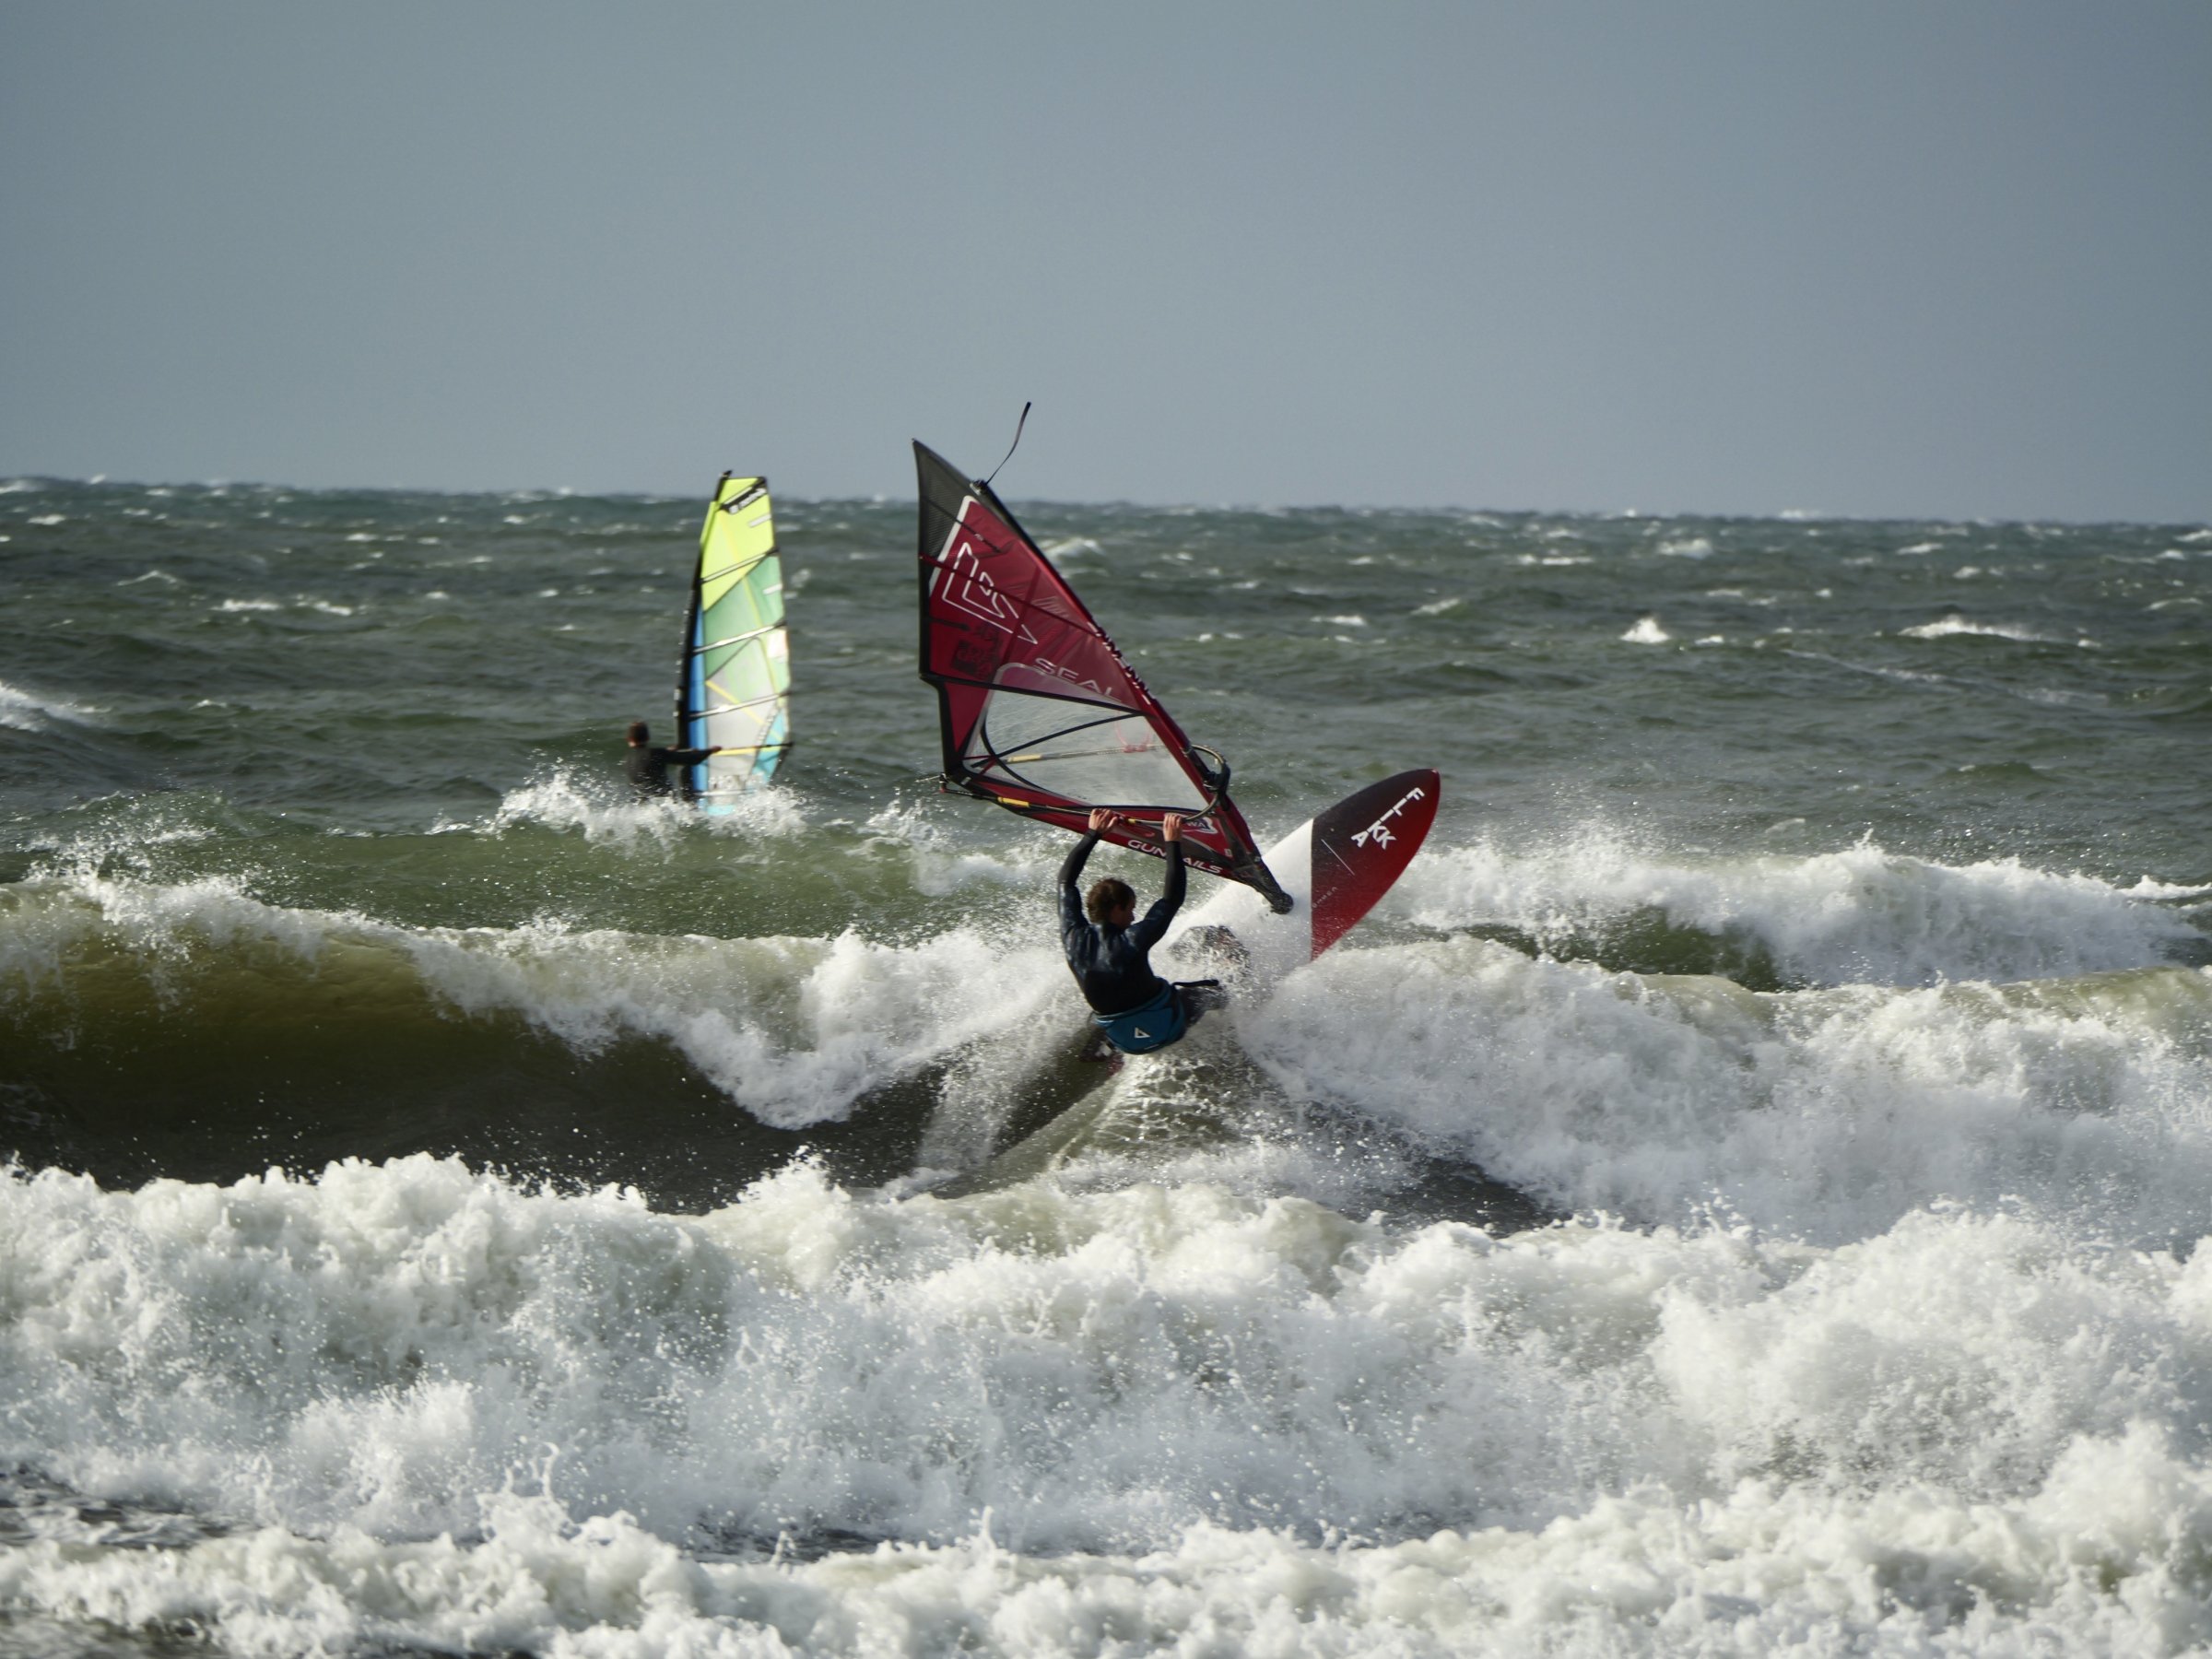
1104, 818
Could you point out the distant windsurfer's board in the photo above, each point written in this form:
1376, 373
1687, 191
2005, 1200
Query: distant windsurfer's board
1335, 866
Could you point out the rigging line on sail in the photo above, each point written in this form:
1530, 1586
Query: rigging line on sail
762, 632
734, 572
733, 703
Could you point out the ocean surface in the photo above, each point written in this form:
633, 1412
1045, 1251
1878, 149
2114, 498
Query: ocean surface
1743, 1192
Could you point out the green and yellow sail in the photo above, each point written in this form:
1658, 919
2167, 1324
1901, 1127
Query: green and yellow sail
733, 685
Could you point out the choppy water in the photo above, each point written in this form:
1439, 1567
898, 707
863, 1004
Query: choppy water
1741, 1194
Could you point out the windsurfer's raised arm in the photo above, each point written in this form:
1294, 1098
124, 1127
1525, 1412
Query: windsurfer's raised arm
1147, 933
1102, 818
1071, 868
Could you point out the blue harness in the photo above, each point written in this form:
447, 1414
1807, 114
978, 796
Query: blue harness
1153, 1026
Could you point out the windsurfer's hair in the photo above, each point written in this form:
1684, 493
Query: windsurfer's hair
1108, 894
639, 731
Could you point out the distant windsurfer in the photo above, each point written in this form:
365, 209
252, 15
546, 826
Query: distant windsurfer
647, 767
1109, 950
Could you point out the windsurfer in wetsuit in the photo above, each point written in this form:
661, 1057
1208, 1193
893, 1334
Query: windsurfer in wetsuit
1108, 948
647, 767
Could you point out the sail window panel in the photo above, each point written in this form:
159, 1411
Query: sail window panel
717, 582
745, 606
748, 668
1070, 750
755, 579
752, 737
748, 727
752, 671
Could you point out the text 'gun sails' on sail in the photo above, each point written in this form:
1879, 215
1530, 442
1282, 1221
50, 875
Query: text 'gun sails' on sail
1038, 710
733, 683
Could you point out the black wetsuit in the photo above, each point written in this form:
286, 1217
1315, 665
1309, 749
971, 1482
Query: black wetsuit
647, 769
1109, 962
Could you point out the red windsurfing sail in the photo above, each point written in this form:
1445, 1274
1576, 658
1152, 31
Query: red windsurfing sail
1039, 711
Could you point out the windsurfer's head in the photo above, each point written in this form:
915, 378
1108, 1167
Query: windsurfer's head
639, 735
1110, 902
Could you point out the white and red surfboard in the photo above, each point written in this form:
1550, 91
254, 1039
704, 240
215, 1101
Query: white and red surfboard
1335, 866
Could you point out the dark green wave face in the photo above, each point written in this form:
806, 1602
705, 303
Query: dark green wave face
315, 843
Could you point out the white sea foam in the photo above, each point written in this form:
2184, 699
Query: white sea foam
443, 1411
1062, 548
1834, 918
298, 602
941, 862
1647, 631
1945, 628
31, 712
1829, 1114
607, 811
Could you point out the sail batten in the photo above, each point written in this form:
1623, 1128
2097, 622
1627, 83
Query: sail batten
733, 683
1033, 697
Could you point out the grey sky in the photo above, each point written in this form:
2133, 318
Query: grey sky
1943, 258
